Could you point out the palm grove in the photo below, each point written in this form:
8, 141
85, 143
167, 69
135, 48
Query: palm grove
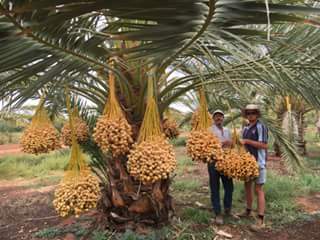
238, 51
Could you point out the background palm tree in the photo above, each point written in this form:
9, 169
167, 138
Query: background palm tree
47, 44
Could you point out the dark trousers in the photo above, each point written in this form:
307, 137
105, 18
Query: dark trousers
214, 181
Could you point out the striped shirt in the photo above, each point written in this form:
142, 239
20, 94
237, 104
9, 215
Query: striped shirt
257, 132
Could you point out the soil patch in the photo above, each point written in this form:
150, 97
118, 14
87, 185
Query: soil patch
7, 149
310, 204
25, 210
306, 230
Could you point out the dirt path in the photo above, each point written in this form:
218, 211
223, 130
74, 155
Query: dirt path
24, 209
7, 149
310, 204
307, 230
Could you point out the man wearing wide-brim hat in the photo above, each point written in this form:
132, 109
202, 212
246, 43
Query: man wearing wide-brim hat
255, 139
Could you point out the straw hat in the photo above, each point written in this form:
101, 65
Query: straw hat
253, 108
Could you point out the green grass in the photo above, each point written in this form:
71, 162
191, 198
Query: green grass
186, 185
7, 126
310, 182
130, 235
184, 161
79, 232
196, 215
48, 233
193, 222
29, 166
189, 231
313, 162
98, 235
312, 159
10, 137
178, 142
46, 180
311, 135
184, 164
53, 232
281, 192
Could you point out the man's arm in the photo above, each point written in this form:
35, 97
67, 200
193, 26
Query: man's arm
256, 144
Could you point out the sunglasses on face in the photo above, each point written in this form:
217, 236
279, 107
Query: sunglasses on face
251, 113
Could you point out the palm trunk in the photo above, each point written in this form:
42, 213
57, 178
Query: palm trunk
301, 143
129, 203
276, 146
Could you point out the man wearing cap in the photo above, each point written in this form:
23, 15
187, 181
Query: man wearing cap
255, 139
223, 134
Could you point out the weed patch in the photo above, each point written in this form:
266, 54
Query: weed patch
196, 215
50, 233
28, 166
184, 161
186, 185
178, 142
100, 235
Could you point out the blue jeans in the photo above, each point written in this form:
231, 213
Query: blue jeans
214, 181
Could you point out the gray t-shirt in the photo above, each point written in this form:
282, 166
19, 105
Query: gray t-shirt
222, 135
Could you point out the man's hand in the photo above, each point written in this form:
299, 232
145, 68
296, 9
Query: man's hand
226, 143
255, 144
244, 141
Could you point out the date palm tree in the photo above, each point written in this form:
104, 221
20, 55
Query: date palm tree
47, 44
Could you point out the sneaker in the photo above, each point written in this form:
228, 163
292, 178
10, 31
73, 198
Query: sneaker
230, 215
227, 212
258, 226
219, 219
245, 214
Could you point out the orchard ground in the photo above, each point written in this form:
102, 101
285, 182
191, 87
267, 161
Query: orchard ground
27, 185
